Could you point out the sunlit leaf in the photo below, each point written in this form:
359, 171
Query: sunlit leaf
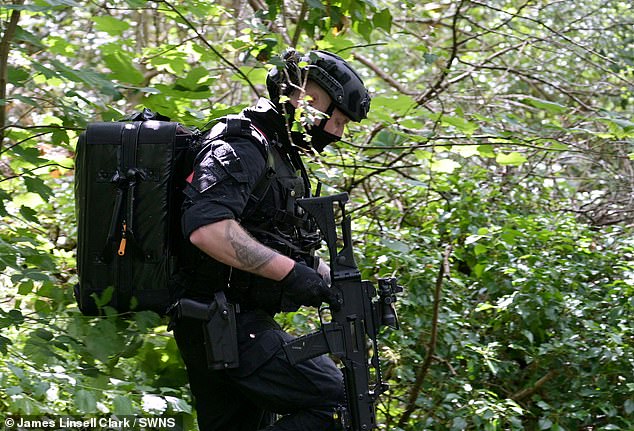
514, 158
110, 25
545, 105
444, 165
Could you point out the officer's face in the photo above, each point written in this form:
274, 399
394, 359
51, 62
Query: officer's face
337, 123
320, 100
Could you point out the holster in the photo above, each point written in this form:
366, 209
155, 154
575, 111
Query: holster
219, 326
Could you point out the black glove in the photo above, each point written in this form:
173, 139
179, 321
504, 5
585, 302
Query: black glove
304, 286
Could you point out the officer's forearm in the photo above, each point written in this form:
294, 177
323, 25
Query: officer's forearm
227, 242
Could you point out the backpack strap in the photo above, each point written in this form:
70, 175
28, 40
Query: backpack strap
240, 126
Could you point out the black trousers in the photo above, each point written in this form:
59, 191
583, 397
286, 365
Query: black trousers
265, 386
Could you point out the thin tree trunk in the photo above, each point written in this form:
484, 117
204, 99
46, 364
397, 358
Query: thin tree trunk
5, 45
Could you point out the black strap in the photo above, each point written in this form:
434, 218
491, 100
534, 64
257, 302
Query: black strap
302, 168
121, 180
282, 217
240, 126
115, 221
237, 125
127, 181
129, 144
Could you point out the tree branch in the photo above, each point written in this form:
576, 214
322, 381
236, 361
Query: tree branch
5, 44
298, 28
528, 392
211, 47
431, 347
381, 74
432, 91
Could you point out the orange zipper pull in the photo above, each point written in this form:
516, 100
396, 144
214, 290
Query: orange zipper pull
122, 244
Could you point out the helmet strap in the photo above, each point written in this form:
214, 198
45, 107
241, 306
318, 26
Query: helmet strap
320, 138
329, 112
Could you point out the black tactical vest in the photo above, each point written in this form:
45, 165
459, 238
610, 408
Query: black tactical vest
279, 223
271, 215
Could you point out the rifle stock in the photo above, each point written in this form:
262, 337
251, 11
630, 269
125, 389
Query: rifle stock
356, 322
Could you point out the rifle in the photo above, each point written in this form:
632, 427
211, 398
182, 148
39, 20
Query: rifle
360, 316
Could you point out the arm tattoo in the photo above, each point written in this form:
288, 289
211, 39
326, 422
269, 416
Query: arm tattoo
249, 253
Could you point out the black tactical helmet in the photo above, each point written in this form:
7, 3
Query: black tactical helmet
330, 72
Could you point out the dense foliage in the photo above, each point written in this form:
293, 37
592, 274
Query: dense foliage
494, 177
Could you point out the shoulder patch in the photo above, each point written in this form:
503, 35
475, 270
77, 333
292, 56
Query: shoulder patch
227, 157
207, 173
220, 162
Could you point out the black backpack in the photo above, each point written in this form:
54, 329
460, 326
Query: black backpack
129, 181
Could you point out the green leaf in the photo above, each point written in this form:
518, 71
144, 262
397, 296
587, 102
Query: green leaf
43, 334
545, 423
514, 158
122, 406
29, 7
4, 344
18, 75
29, 154
621, 128
60, 46
491, 366
111, 25
25, 287
29, 214
197, 79
26, 36
178, 404
444, 165
396, 105
60, 136
364, 28
146, 320
334, 43
69, 3
479, 249
85, 401
16, 316
545, 105
122, 68
93, 79
22, 404
626, 125
430, 58
459, 424
396, 245
484, 306
383, 20
486, 151
37, 185
316, 4
256, 75
459, 123
105, 297
4, 197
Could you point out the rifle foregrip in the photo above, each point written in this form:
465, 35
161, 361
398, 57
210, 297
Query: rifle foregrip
313, 345
306, 347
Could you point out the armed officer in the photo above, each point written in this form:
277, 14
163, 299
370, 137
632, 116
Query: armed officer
251, 242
